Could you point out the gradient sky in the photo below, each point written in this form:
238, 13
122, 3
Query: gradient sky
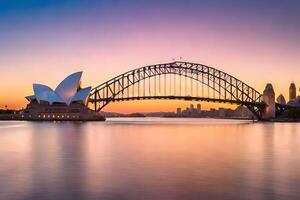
43, 41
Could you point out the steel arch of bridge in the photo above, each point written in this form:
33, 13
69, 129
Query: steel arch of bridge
146, 83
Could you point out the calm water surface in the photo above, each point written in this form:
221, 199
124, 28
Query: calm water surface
151, 159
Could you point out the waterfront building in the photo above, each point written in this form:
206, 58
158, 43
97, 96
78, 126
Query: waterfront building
293, 100
281, 100
292, 92
178, 111
192, 107
67, 102
198, 107
239, 112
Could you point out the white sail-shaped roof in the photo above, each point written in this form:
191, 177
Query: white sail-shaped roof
66, 92
82, 95
68, 87
45, 93
31, 98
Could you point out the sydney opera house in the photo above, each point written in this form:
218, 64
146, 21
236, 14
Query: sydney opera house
67, 102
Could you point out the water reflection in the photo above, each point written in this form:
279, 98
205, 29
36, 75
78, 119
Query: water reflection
150, 159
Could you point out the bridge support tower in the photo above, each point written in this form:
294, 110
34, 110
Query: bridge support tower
268, 98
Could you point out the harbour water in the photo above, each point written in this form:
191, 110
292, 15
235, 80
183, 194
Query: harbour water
149, 158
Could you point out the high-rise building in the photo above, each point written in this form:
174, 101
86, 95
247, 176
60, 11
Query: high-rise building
178, 111
192, 107
199, 107
292, 91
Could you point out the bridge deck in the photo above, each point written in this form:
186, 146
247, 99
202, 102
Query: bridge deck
186, 98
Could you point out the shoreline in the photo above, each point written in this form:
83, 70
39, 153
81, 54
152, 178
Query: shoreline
80, 117
51, 117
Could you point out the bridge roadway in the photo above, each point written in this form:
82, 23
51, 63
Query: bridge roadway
185, 98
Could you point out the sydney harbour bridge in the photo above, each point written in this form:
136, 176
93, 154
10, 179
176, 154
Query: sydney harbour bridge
185, 81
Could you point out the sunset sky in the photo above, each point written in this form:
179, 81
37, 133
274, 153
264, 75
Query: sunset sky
43, 41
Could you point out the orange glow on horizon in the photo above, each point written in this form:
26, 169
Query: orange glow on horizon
145, 106
16, 99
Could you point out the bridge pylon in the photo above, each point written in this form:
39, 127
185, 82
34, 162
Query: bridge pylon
268, 97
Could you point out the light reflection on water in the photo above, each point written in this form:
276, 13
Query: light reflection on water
150, 158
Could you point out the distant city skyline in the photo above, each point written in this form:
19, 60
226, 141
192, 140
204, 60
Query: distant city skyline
41, 41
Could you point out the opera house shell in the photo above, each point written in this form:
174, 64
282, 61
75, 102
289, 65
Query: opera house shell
66, 92
67, 102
